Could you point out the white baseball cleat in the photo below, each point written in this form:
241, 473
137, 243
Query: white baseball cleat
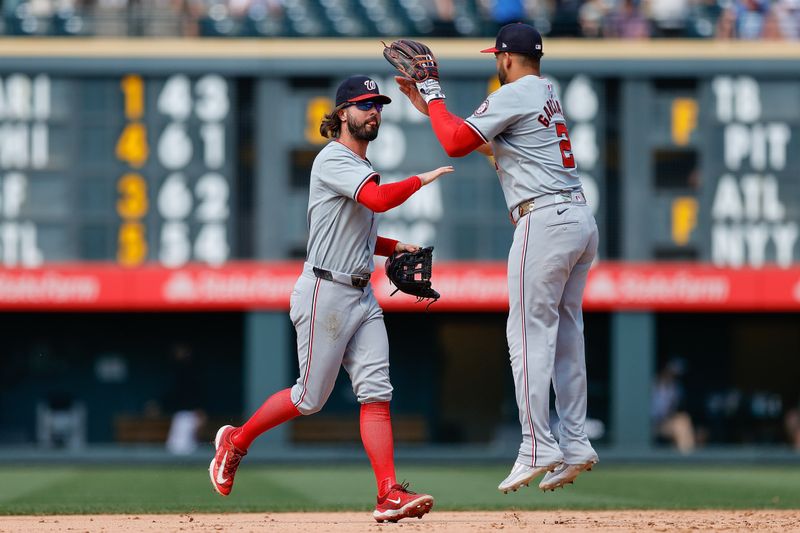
564, 475
522, 475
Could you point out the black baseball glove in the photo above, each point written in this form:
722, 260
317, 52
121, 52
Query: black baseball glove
410, 272
416, 61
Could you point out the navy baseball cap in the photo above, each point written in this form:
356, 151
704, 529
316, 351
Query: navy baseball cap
358, 88
518, 38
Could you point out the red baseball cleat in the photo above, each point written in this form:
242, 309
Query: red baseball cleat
399, 502
223, 467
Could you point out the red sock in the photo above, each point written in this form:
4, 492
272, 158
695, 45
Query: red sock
376, 434
276, 410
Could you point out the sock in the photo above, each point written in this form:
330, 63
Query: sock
275, 411
376, 434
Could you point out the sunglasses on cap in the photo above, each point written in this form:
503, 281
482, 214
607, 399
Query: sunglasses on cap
366, 106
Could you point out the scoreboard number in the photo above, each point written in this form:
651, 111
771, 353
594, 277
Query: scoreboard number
212, 98
132, 149
132, 203
132, 244
174, 147
213, 192
196, 111
174, 198
133, 90
132, 145
175, 99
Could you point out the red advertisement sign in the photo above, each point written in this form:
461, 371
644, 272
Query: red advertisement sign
465, 287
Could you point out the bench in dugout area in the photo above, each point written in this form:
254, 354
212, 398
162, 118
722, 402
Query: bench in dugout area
346, 428
139, 429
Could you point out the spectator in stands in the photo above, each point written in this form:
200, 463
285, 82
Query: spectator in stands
443, 16
670, 419
564, 21
786, 17
627, 22
703, 18
668, 17
504, 12
590, 17
748, 20
726, 25
751, 18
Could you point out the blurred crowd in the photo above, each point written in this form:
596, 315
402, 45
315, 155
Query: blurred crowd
626, 19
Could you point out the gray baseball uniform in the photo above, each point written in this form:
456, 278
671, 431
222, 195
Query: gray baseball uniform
333, 309
555, 241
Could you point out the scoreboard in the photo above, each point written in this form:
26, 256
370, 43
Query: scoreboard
132, 169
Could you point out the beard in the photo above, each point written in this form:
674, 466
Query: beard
364, 131
502, 74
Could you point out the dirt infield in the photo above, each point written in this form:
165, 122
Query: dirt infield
598, 521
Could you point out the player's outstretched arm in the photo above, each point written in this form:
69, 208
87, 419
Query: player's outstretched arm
431, 176
381, 198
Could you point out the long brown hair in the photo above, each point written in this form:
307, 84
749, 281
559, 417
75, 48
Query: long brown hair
331, 125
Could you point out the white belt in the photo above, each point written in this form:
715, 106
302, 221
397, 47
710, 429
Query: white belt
563, 197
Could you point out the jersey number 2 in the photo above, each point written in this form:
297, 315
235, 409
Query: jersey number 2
565, 145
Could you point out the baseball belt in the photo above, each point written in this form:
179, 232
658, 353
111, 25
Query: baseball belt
562, 197
355, 280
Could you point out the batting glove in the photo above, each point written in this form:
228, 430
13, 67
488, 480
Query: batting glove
430, 90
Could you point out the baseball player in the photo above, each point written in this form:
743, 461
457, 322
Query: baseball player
555, 241
334, 311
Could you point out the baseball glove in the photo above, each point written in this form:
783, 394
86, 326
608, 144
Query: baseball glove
410, 272
413, 59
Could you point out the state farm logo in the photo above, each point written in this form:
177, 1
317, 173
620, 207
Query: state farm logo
180, 288
628, 286
258, 286
601, 287
48, 287
370, 85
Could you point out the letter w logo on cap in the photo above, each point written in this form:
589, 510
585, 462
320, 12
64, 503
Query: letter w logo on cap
370, 85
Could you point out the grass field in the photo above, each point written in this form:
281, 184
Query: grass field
154, 489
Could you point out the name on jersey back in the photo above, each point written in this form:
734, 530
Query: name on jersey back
551, 108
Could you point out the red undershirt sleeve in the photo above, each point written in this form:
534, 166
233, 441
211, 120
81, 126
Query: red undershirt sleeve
454, 134
380, 198
385, 246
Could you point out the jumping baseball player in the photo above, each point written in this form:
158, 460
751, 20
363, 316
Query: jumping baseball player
334, 311
555, 240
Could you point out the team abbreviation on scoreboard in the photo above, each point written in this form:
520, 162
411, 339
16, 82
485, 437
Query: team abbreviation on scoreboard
753, 202
24, 140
